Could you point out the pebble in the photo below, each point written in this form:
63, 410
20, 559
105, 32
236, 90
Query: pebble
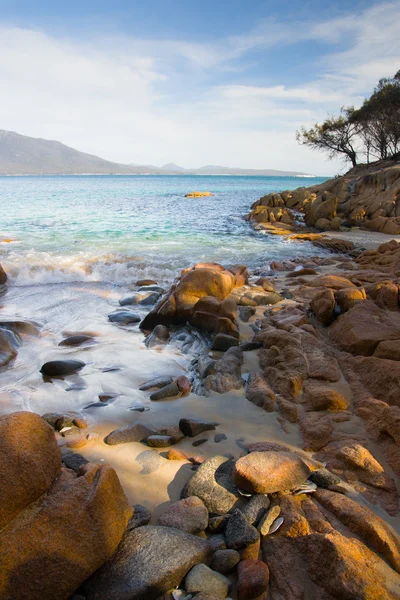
224, 561
256, 508
168, 391
267, 520
239, 532
200, 442
203, 579
219, 437
124, 317
275, 525
159, 441
57, 368
192, 427
156, 382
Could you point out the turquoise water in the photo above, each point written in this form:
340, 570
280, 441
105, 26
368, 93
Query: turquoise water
117, 228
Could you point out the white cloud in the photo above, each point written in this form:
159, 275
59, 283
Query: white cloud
119, 98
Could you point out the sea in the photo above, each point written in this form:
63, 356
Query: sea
74, 246
115, 229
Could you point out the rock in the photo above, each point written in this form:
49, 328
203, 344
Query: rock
227, 372
324, 478
8, 350
30, 462
193, 427
156, 383
76, 340
323, 306
149, 299
183, 384
168, 391
59, 368
200, 442
218, 524
253, 579
249, 346
159, 441
267, 520
334, 282
202, 579
149, 561
189, 515
219, 437
246, 312
301, 272
172, 431
269, 472
266, 284
217, 542
60, 420
346, 298
141, 516
363, 327
223, 342
145, 282
212, 483
129, 433
3, 275
67, 534
129, 300
124, 317
256, 508
73, 460
159, 335
224, 561
319, 396
239, 533
259, 392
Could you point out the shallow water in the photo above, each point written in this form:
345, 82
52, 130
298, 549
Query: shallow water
118, 228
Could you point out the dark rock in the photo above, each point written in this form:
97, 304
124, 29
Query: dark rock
141, 516
253, 579
156, 383
227, 375
200, 442
130, 433
217, 524
73, 460
246, 312
60, 420
249, 346
129, 300
123, 317
8, 350
324, 478
225, 561
219, 437
58, 368
159, 441
160, 334
192, 427
152, 288
148, 562
239, 533
212, 483
3, 275
76, 340
168, 391
217, 542
95, 405
223, 342
202, 579
149, 299
145, 282
256, 508
107, 397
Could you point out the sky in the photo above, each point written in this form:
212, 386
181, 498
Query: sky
194, 83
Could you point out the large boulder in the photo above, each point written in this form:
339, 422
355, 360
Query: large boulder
53, 521
149, 561
179, 305
30, 461
363, 327
269, 472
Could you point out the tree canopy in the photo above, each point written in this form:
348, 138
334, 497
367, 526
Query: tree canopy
372, 131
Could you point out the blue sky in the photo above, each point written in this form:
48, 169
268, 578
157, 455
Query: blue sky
191, 82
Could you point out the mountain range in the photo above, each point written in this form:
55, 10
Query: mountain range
23, 155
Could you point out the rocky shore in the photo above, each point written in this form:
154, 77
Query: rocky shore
313, 345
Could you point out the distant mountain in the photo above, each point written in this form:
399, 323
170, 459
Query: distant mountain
23, 155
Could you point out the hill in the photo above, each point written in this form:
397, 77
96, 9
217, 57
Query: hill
23, 155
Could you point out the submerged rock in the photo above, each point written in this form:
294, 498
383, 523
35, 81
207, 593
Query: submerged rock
77, 340
156, 383
58, 368
124, 317
149, 561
